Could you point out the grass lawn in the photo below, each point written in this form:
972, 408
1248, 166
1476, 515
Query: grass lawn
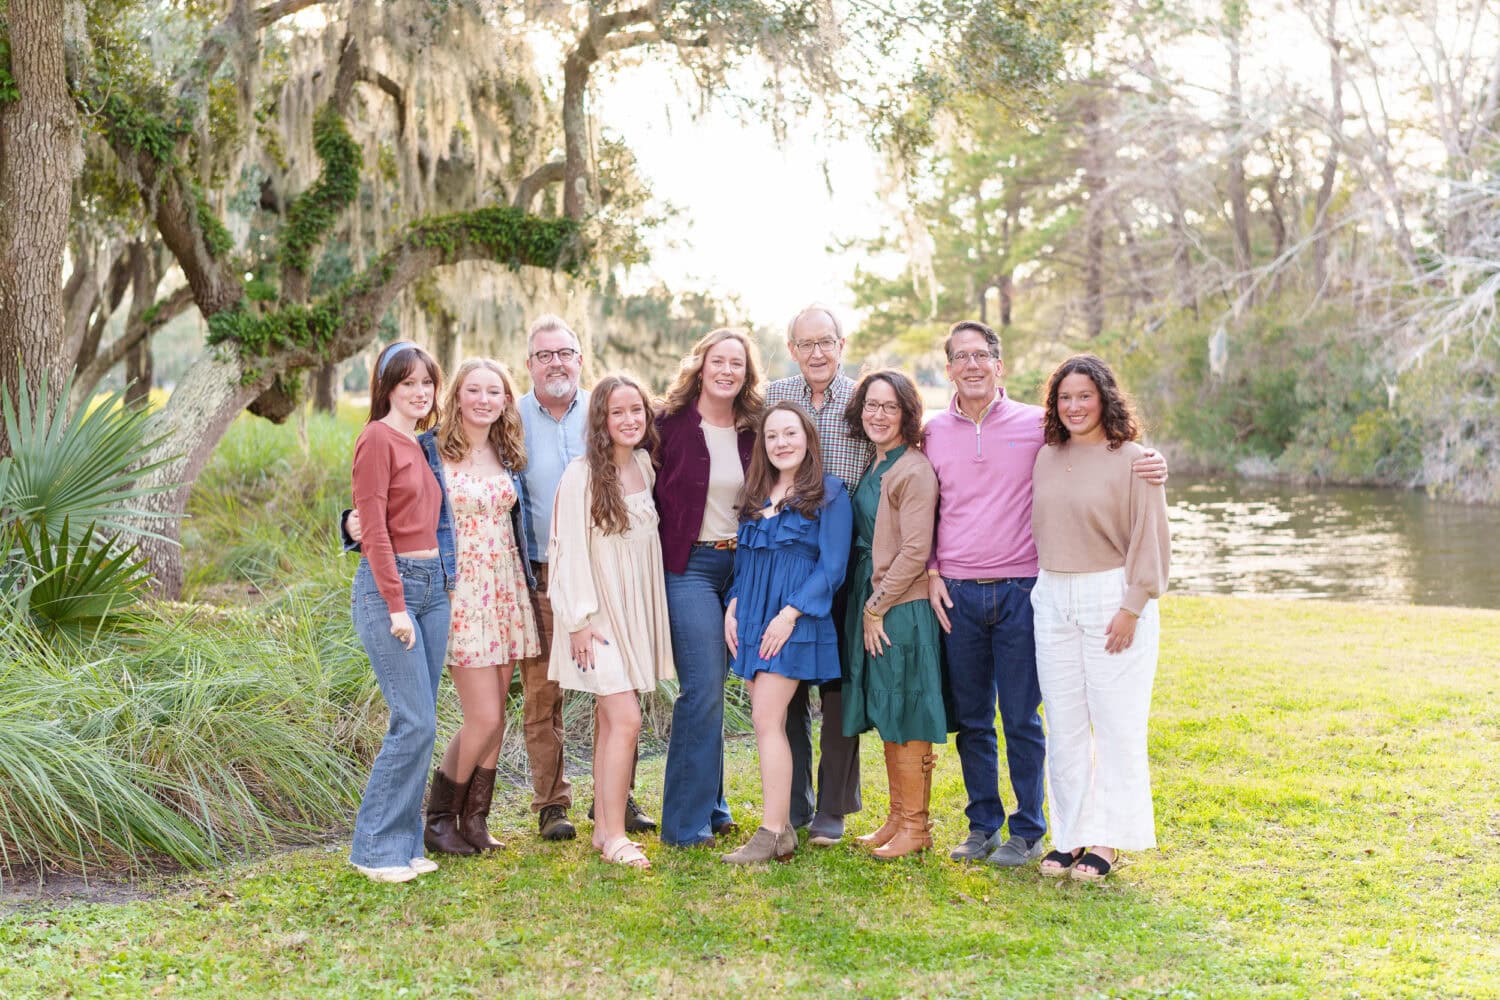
1326, 778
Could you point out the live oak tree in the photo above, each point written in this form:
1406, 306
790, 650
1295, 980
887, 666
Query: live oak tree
243, 145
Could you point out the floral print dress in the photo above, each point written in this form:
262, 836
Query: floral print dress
493, 622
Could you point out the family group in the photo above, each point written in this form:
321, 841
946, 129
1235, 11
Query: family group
811, 533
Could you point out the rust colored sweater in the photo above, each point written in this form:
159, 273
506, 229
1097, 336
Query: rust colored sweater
398, 499
1090, 513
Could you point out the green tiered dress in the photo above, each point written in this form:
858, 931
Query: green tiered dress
900, 692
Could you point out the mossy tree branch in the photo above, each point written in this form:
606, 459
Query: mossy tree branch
340, 323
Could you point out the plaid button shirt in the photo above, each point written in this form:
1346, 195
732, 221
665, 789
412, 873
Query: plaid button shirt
843, 456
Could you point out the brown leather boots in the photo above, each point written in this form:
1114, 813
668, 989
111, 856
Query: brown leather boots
458, 815
445, 798
882, 836
909, 769
473, 818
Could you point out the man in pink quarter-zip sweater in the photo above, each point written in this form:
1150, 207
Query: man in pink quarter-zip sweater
980, 576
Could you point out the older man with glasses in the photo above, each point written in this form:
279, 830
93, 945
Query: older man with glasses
815, 341
554, 415
980, 576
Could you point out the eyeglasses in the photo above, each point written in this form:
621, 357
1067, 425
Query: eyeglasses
889, 409
807, 348
563, 354
962, 358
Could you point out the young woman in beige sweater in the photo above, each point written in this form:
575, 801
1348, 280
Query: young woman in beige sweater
1102, 541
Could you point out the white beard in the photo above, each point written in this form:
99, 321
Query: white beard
559, 388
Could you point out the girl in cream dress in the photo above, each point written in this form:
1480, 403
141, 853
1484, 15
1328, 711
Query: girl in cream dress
608, 593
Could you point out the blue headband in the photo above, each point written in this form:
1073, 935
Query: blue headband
391, 352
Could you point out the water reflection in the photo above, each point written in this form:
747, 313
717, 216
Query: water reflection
1240, 537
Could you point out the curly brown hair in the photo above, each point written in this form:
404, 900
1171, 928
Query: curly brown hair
689, 381
806, 494
606, 495
506, 436
1117, 415
906, 395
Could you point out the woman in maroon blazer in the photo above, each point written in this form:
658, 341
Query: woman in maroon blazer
707, 434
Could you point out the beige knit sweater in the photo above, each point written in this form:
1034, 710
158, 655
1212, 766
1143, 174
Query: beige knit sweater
1090, 513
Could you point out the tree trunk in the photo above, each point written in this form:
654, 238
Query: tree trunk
39, 143
326, 388
445, 341
140, 370
1331, 161
1239, 199
203, 405
1094, 183
576, 172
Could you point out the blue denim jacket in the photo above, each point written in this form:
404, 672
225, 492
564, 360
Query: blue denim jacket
520, 519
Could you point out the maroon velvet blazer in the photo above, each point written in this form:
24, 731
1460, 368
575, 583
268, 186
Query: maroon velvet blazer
682, 481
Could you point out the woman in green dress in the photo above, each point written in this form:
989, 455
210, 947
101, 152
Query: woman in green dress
894, 683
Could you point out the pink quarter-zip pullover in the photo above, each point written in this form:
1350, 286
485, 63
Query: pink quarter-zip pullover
984, 489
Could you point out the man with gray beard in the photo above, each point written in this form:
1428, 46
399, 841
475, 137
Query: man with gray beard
555, 417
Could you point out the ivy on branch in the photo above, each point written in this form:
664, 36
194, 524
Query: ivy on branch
314, 212
303, 334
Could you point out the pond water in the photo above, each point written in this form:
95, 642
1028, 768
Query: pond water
1275, 539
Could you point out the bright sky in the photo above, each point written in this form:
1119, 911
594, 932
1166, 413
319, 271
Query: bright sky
757, 218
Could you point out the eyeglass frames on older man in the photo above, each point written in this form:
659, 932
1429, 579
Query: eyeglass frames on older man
563, 354
962, 358
807, 348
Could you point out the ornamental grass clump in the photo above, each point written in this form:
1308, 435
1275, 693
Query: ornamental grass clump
190, 733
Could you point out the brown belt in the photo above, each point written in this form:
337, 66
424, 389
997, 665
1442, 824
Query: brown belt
721, 544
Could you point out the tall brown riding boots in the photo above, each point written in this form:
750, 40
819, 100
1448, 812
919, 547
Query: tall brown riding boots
883, 836
913, 776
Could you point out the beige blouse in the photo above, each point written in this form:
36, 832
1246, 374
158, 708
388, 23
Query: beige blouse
616, 583
1090, 513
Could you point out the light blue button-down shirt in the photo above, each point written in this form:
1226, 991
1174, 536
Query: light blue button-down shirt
550, 445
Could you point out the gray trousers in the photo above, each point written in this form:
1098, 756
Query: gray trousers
838, 768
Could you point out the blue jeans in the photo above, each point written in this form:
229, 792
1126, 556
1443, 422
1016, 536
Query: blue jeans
388, 828
992, 655
693, 788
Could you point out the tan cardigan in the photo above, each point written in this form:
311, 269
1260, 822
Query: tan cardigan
903, 532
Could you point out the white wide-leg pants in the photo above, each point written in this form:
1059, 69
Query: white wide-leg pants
1096, 704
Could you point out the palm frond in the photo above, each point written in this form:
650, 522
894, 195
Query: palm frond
87, 469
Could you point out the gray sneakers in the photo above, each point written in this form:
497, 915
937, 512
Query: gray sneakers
977, 847
1014, 853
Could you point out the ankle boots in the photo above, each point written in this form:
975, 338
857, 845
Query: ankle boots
765, 845
445, 799
473, 820
909, 767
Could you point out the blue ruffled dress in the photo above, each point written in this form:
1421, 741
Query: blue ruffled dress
791, 559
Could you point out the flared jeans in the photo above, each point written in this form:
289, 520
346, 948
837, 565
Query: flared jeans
388, 828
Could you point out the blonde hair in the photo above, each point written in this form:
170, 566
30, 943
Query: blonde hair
689, 381
506, 436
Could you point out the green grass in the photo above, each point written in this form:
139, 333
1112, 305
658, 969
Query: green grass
1325, 784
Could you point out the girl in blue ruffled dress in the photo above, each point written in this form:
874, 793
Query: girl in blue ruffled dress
792, 549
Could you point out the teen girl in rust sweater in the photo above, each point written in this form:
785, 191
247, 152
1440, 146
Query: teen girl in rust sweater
400, 606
